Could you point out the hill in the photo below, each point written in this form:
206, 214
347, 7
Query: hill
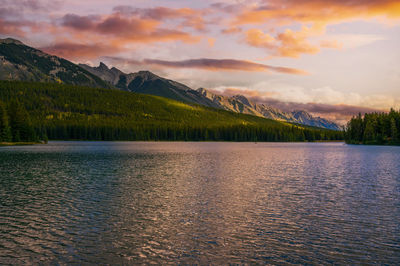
24, 63
21, 62
68, 112
149, 83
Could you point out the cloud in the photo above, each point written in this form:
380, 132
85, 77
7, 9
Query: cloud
334, 44
211, 42
17, 27
224, 64
192, 18
213, 65
314, 16
288, 43
79, 22
231, 30
20, 9
78, 50
229, 8
11, 27
16, 17
258, 38
349, 41
317, 11
231, 91
9, 12
125, 29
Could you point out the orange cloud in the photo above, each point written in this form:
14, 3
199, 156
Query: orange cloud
79, 51
294, 43
210, 64
191, 17
224, 65
119, 30
231, 30
11, 27
258, 38
318, 11
287, 44
331, 44
211, 42
125, 29
246, 92
313, 15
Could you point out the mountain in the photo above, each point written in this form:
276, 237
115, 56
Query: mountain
241, 104
24, 63
70, 112
149, 83
302, 117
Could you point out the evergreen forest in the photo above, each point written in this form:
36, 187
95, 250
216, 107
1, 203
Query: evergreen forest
32, 111
374, 128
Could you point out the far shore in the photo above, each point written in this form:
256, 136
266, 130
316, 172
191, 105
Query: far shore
2, 144
20, 143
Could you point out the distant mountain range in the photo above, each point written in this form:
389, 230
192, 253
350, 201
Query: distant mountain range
149, 83
21, 62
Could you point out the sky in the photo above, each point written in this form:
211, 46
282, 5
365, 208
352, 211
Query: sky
333, 58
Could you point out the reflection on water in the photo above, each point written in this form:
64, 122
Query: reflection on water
280, 203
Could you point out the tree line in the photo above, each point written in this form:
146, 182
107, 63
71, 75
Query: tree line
15, 124
374, 128
67, 112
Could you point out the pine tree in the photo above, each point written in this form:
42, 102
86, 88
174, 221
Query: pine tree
5, 130
369, 133
393, 130
21, 126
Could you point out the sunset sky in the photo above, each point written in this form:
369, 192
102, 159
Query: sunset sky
332, 58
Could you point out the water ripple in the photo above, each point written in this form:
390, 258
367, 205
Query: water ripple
199, 203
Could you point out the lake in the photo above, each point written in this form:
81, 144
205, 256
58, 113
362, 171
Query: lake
199, 203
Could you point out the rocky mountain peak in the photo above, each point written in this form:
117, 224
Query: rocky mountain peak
202, 90
102, 66
301, 113
243, 99
147, 75
206, 93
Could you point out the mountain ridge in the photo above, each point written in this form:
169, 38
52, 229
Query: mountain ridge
24, 63
260, 109
149, 83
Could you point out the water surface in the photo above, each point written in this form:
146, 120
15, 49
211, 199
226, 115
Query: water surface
199, 203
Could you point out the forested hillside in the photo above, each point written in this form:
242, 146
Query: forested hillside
66, 112
374, 128
149, 83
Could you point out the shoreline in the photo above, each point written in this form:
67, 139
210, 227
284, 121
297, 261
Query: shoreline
22, 143
199, 141
27, 143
